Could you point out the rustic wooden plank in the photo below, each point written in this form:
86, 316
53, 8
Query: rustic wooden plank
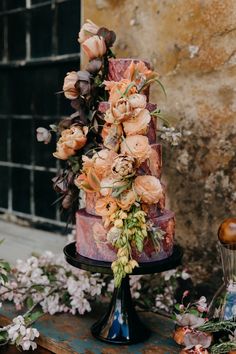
67, 334
13, 350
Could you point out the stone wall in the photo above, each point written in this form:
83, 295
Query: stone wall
192, 44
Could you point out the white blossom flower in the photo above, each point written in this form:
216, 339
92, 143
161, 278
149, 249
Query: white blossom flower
20, 335
170, 135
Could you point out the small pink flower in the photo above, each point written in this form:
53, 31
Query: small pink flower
43, 135
186, 293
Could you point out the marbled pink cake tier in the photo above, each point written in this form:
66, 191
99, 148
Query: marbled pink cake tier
91, 238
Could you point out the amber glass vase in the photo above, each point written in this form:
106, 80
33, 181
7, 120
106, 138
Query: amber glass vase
223, 305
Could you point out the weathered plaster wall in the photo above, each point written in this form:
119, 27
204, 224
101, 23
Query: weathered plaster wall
192, 44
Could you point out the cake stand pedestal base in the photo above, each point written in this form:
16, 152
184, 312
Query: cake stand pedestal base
121, 323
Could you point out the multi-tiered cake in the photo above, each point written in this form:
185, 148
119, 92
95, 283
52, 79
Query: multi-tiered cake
112, 155
91, 234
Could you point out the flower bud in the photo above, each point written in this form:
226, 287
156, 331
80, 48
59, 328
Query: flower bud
118, 223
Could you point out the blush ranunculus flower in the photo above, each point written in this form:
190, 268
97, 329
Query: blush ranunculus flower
137, 124
71, 140
94, 47
118, 88
88, 30
148, 188
126, 200
69, 88
106, 206
136, 146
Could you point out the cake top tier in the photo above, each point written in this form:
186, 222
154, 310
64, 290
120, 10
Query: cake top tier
118, 67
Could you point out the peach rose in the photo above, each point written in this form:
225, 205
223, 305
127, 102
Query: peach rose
94, 47
71, 140
87, 30
136, 146
137, 124
117, 89
106, 206
148, 188
103, 161
137, 102
69, 85
126, 200
121, 110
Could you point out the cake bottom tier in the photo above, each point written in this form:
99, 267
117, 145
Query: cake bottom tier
91, 239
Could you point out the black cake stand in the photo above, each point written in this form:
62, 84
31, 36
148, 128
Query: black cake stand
121, 323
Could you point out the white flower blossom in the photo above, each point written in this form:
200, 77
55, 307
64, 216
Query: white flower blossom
20, 335
171, 135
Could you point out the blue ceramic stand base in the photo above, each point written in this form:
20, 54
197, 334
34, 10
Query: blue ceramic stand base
121, 323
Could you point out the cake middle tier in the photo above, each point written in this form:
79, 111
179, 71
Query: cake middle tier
91, 241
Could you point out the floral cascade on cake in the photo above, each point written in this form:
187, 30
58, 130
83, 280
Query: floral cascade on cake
109, 144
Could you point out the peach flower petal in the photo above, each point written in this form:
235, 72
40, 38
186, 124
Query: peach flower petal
94, 47
136, 146
138, 124
106, 206
148, 188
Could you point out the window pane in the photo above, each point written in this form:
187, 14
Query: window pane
41, 32
3, 140
21, 190
68, 27
14, 4
5, 99
34, 2
16, 36
4, 186
44, 195
1, 37
21, 140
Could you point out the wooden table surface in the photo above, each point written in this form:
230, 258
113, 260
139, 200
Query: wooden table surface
67, 334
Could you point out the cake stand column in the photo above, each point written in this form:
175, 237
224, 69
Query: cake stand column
121, 323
